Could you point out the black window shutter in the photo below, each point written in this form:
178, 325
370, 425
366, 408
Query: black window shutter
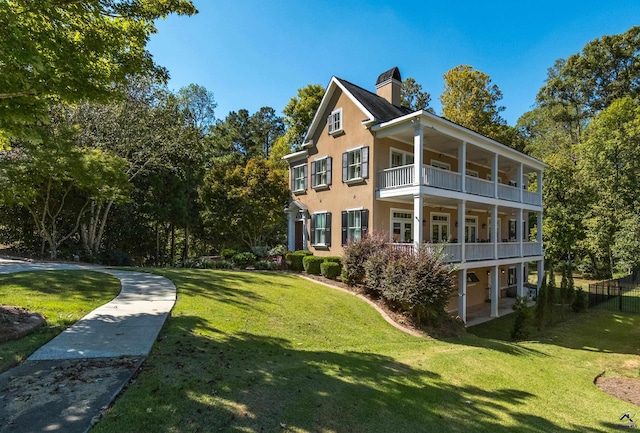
313, 174
329, 170
304, 171
345, 222
313, 229
364, 222
365, 162
328, 229
345, 167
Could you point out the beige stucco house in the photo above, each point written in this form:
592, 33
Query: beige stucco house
369, 164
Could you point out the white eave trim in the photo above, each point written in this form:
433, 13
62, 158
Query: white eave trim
431, 120
296, 156
331, 88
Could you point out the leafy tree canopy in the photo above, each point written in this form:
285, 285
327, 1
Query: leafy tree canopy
413, 97
65, 51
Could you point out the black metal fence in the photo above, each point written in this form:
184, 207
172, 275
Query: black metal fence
621, 294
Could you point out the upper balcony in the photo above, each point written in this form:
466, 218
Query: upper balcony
404, 176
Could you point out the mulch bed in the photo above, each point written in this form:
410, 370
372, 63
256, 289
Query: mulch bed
16, 322
624, 388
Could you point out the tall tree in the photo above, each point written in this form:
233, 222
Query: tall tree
65, 51
298, 115
413, 97
469, 99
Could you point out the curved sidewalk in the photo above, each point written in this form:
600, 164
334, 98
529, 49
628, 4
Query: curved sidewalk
68, 383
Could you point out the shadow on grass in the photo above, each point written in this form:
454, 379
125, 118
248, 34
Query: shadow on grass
594, 330
79, 284
198, 379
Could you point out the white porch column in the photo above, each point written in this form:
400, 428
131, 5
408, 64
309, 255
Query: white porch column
291, 229
494, 174
305, 235
494, 230
462, 295
418, 150
495, 290
462, 165
520, 279
519, 231
520, 181
539, 230
540, 175
462, 210
417, 224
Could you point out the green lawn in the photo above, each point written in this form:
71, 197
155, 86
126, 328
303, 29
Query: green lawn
62, 297
267, 352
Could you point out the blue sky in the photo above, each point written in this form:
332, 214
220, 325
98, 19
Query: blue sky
254, 53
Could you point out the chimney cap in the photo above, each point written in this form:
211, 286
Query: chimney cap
391, 74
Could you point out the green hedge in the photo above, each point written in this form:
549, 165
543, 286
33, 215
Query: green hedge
312, 264
330, 269
294, 260
242, 260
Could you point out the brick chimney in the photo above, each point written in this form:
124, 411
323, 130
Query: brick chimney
388, 85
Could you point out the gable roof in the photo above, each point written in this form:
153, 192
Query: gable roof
375, 109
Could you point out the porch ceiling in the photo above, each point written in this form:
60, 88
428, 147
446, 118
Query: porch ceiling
451, 203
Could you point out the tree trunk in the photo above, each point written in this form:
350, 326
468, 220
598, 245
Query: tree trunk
185, 251
173, 245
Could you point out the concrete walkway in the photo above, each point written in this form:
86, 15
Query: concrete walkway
123, 329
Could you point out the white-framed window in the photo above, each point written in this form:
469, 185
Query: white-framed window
401, 225
321, 229
321, 172
299, 178
441, 165
399, 158
334, 121
471, 173
355, 164
489, 229
439, 227
355, 224
512, 230
471, 229
511, 277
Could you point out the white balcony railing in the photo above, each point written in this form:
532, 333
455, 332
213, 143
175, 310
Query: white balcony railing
508, 249
507, 192
478, 251
533, 198
477, 186
441, 178
404, 176
395, 177
483, 251
531, 249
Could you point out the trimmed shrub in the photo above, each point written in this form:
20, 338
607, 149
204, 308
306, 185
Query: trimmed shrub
333, 259
343, 274
228, 253
294, 260
330, 269
220, 264
242, 260
522, 323
312, 264
356, 253
265, 265
580, 302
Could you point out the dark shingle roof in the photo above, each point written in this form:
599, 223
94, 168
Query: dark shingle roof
380, 108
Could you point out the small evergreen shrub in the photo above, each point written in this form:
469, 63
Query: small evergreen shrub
265, 265
220, 264
580, 302
188, 263
228, 253
312, 264
294, 260
333, 259
242, 260
278, 250
521, 324
330, 269
343, 274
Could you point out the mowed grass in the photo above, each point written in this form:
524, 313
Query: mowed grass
268, 352
63, 297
